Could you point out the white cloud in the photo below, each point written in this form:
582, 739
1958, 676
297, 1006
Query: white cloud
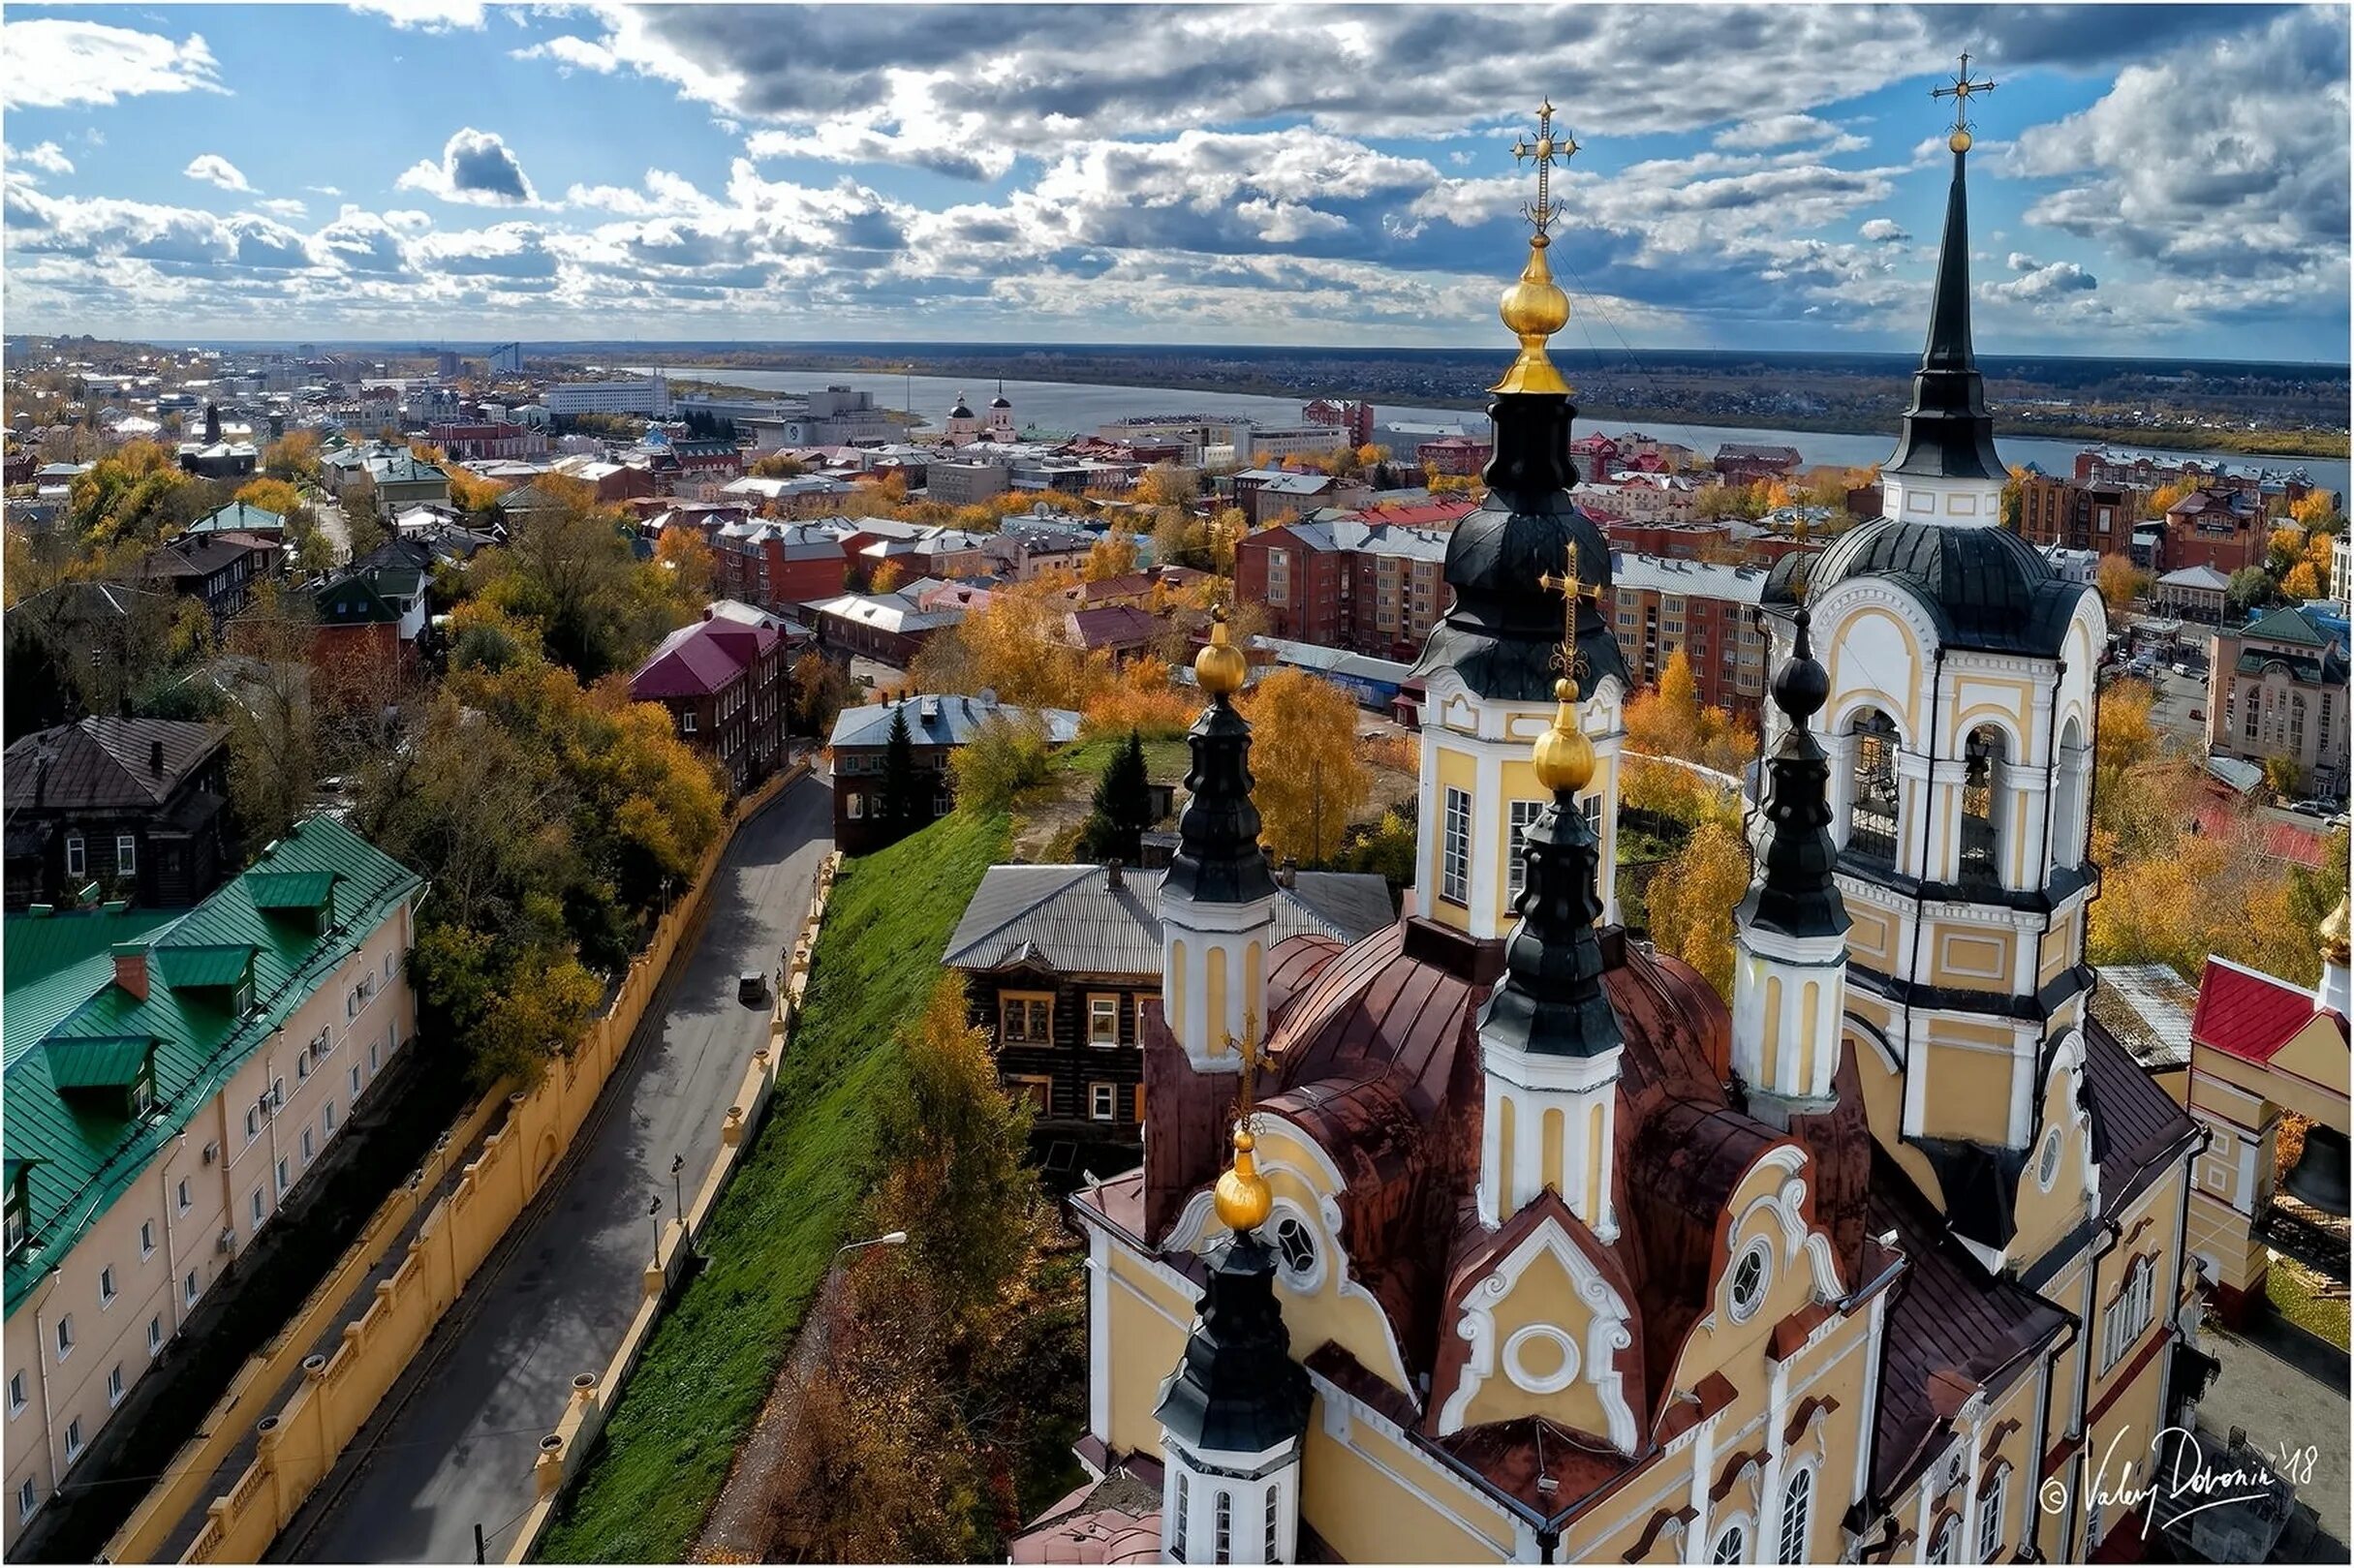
324, 190
475, 169
426, 16
1884, 231
282, 206
571, 54
45, 156
54, 61
212, 169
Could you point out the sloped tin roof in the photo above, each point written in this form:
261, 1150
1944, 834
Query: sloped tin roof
85, 1154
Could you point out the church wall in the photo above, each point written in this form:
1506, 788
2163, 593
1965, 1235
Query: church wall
2043, 1216
1543, 1297
1883, 1090
1964, 1464
1872, 937
1375, 1499
1875, 660
1969, 1067
1972, 958
1452, 769
1149, 1321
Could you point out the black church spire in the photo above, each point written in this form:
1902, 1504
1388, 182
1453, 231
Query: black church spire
1793, 893
1217, 858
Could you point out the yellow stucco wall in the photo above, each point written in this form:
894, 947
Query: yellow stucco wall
1455, 770
1352, 1494
1968, 1091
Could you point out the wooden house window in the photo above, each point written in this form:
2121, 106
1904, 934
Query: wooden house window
1102, 1020
1102, 1102
1026, 1017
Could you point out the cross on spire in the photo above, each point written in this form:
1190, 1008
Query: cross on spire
1544, 149
1572, 588
1247, 1097
1960, 92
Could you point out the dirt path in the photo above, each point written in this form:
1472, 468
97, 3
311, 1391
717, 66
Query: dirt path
739, 1529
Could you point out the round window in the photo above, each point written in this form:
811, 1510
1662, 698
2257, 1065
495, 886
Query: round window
2047, 1163
1749, 1279
1297, 1246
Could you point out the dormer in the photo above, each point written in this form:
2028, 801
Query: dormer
16, 1203
106, 1073
305, 899
219, 973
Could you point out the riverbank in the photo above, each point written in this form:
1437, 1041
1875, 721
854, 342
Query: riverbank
2330, 445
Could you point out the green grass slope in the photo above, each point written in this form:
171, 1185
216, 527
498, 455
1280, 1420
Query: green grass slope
706, 1372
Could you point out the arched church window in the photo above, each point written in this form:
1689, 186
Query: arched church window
1797, 1515
1225, 1519
1982, 760
1873, 823
1185, 1506
1732, 1545
2072, 787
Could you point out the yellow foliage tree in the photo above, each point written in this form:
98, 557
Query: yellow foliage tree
2303, 581
2120, 582
1310, 779
1013, 645
2312, 509
292, 456
270, 495
1691, 901
2164, 496
886, 578
1668, 720
1113, 556
1139, 699
471, 492
1165, 484
686, 563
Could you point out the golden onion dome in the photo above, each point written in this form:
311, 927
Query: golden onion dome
2333, 935
1959, 141
1242, 1195
1533, 308
1565, 756
1221, 666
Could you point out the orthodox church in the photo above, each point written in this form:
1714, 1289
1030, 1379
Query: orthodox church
1498, 1236
965, 428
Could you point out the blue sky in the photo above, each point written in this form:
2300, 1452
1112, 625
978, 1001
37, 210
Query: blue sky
1749, 177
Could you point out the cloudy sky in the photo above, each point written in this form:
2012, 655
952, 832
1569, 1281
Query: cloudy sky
1767, 177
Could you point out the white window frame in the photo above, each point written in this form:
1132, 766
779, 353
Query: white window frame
191, 1289
115, 1387
106, 1289
155, 1336
1798, 1488
1100, 1006
1736, 1530
1102, 1102
72, 1440
65, 1337
1991, 1505
126, 855
1455, 845
28, 1499
1524, 816
76, 856
17, 1400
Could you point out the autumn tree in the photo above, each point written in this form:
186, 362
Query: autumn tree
2249, 588
1167, 484
820, 689
1123, 806
2120, 582
886, 578
2166, 496
777, 466
2314, 512
2301, 582
134, 495
273, 724
1669, 720
295, 456
1137, 697
272, 495
1691, 901
1009, 753
1013, 645
1310, 779
474, 495
1113, 556
571, 567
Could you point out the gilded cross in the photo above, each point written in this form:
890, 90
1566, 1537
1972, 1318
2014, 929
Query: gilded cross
1544, 149
1572, 588
1247, 1099
1960, 92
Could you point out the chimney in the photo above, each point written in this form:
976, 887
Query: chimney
155, 758
1111, 874
1288, 874
130, 968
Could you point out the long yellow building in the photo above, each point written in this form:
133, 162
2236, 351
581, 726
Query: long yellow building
1497, 1236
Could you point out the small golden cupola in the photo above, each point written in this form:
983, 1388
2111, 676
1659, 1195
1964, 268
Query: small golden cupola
2334, 994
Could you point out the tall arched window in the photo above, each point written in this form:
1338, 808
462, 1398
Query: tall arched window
1797, 1516
1982, 791
1872, 820
1185, 1506
2071, 793
1226, 1526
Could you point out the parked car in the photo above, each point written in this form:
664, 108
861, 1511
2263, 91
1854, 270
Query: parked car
751, 988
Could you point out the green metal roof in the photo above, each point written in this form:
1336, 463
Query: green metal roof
241, 515
289, 889
2287, 624
113, 1064
53, 963
192, 966
63, 990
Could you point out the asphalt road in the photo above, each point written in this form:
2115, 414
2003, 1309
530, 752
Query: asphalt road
458, 1451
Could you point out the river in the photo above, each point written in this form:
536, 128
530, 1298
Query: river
1082, 407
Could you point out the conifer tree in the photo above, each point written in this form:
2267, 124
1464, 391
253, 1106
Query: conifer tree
898, 802
1123, 806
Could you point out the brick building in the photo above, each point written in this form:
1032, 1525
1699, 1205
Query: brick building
723, 681
1740, 462
2078, 515
1708, 611
2277, 687
1458, 455
2223, 529
1343, 583
467, 443
779, 564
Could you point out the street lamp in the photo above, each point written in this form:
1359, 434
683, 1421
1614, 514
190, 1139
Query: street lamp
654, 1213
897, 1238
678, 1191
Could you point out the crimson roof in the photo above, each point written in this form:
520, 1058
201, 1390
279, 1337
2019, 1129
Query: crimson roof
701, 660
2246, 1014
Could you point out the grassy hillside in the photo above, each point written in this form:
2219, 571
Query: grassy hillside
707, 1369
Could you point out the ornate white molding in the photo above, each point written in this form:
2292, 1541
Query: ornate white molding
1606, 1331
